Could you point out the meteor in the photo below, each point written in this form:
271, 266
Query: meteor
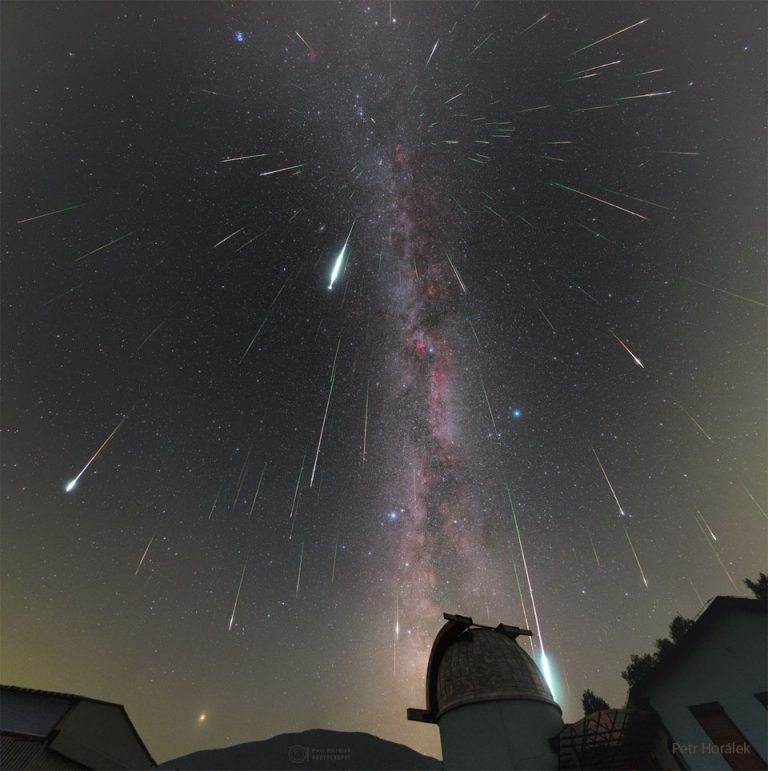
754, 500
327, 405
73, 483
693, 420
621, 343
519, 590
298, 577
141, 561
228, 237
640, 567
714, 551
258, 487
285, 168
613, 492
333, 566
237, 596
488, 404
725, 291
531, 26
456, 273
594, 198
545, 662
245, 157
709, 529
434, 48
49, 214
103, 246
240, 480
481, 43
365, 423
594, 551
261, 326
340, 258
298, 483
608, 37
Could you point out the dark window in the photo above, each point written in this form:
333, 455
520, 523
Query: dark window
727, 740
762, 697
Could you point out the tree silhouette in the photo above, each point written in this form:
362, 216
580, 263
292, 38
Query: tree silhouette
759, 588
591, 702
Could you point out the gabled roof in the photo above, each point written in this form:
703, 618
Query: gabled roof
73, 699
716, 608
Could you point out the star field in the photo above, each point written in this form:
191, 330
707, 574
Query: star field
320, 319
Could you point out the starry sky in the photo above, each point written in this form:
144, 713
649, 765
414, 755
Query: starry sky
532, 391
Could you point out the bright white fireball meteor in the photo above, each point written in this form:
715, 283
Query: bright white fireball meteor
623, 345
340, 259
72, 483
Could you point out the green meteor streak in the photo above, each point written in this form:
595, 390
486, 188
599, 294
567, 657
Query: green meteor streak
695, 422
298, 482
240, 480
49, 213
714, 551
531, 26
533, 109
490, 411
762, 510
525, 567
725, 291
493, 211
631, 546
472, 327
693, 586
261, 326
258, 487
104, 246
519, 587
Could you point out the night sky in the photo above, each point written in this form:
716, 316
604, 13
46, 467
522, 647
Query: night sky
550, 305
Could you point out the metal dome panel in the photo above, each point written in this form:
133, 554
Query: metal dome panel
484, 665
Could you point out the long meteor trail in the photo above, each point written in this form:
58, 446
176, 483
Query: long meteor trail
600, 200
624, 346
613, 492
143, 556
631, 546
544, 660
237, 596
49, 213
325, 417
340, 258
608, 37
72, 483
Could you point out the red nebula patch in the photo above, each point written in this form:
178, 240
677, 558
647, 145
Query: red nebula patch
399, 157
312, 55
431, 292
420, 348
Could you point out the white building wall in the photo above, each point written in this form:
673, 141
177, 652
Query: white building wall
728, 664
